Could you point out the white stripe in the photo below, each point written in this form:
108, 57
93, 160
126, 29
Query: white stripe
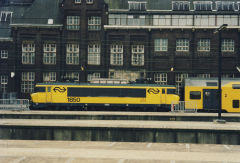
188, 147
121, 161
227, 147
69, 160
112, 144
18, 160
149, 145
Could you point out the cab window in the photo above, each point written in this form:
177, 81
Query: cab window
40, 89
195, 95
171, 91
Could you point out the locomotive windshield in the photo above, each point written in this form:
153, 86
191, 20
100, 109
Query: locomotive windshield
171, 91
40, 89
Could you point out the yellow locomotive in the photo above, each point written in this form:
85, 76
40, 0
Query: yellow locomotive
67, 96
204, 92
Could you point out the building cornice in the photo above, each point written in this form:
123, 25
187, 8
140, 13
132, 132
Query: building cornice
37, 25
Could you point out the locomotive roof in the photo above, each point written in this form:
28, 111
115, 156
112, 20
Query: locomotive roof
96, 84
209, 81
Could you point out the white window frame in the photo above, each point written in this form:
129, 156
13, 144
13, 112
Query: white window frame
179, 78
49, 76
94, 23
72, 76
4, 54
4, 83
161, 45
182, 45
202, 5
161, 78
77, 1
28, 53
139, 6
89, 1
27, 83
204, 76
116, 57
72, 54
49, 53
228, 45
94, 52
5, 16
138, 55
204, 45
73, 22
95, 75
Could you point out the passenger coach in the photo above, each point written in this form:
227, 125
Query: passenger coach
81, 96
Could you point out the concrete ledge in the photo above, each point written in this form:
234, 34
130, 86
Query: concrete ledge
114, 152
151, 116
121, 131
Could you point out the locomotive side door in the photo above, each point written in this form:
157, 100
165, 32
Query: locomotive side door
48, 95
163, 96
210, 99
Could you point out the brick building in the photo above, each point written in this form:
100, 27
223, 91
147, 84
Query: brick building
77, 40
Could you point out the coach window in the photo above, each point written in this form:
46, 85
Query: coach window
195, 95
49, 89
235, 103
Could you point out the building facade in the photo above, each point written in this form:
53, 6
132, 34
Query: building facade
78, 40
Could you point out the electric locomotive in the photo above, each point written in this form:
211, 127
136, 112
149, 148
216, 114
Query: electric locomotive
87, 95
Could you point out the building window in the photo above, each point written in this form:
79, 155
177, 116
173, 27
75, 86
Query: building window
73, 22
202, 5
137, 55
72, 56
160, 45
204, 20
228, 45
204, 45
4, 82
4, 54
116, 54
94, 51
49, 54
180, 80
94, 23
162, 20
182, 20
136, 20
95, 75
117, 19
182, 45
228, 75
77, 1
225, 6
89, 1
49, 76
137, 6
180, 6
204, 76
73, 76
28, 53
6, 16
27, 83
160, 78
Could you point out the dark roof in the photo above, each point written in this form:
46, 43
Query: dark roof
152, 4
93, 84
36, 13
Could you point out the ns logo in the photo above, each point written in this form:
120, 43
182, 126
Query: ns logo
153, 91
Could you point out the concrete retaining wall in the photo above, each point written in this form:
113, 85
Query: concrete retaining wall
120, 134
